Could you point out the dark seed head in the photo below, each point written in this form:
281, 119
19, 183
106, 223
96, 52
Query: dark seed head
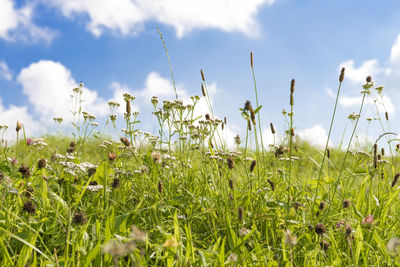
272, 128
72, 144
231, 163
311, 227
231, 184
386, 116
29, 192
24, 171
70, 150
348, 230
292, 132
292, 83
328, 153
202, 75
207, 116
160, 187
251, 59
271, 183
383, 151
29, 207
125, 141
116, 182
253, 165
321, 205
324, 245
93, 183
203, 91
247, 105
346, 203
320, 228
240, 213
396, 177
341, 77
249, 125
252, 116
111, 156
41, 163
91, 171
128, 107
368, 79
79, 218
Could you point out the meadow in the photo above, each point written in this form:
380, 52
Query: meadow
180, 197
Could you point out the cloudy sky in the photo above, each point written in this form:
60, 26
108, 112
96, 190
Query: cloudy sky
48, 46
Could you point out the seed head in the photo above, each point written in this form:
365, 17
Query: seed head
291, 100
41, 163
237, 139
396, 177
202, 75
272, 128
271, 184
207, 116
116, 182
247, 105
79, 218
386, 116
19, 126
346, 203
160, 187
29, 207
231, 184
341, 77
292, 132
231, 163
310, 227
125, 141
320, 228
253, 165
24, 171
240, 213
29, 192
72, 144
128, 107
383, 151
324, 245
368, 79
91, 171
292, 83
321, 205
111, 156
251, 59
328, 153
249, 125
225, 120
252, 116
203, 91
348, 230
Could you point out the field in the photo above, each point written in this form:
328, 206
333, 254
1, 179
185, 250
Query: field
179, 197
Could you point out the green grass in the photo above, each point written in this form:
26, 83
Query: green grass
181, 198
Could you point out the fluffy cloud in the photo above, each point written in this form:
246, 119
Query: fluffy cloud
358, 75
17, 24
315, 135
129, 16
5, 73
48, 86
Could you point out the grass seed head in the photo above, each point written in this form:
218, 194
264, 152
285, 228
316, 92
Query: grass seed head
328, 153
72, 144
292, 84
252, 116
203, 91
29, 207
348, 229
292, 132
368, 79
271, 183
19, 126
272, 128
240, 213
42, 163
79, 218
253, 165
160, 187
324, 245
341, 76
24, 170
320, 228
231, 184
125, 141
91, 171
322, 205
112, 156
383, 151
128, 107
249, 125
291, 100
29, 192
231, 163
202, 75
251, 59
247, 105
396, 177
386, 116
346, 203
116, 182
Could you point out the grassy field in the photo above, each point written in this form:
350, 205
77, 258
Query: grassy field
178, 197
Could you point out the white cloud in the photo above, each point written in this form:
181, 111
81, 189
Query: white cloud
315, 135
5, 72
358, 75
129, 16
16, 24
9, 116
48, 86
384, 104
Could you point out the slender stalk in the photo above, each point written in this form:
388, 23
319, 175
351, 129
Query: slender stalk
326, 146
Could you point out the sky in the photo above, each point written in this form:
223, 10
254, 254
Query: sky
47, 47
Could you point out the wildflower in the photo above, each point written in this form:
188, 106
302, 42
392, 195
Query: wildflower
79, 218
156, 156
368, 220
290, 239
244, 231
29, 207
111, 156
341, 77
94, 188
28, 141
232, 257
24, 171
393, 245
320, 228
41, 163
125, 141
154, 100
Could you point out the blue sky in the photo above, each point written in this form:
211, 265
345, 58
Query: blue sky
48, 46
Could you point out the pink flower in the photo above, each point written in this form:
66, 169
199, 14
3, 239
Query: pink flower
369, 220
28, 141
14, 161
